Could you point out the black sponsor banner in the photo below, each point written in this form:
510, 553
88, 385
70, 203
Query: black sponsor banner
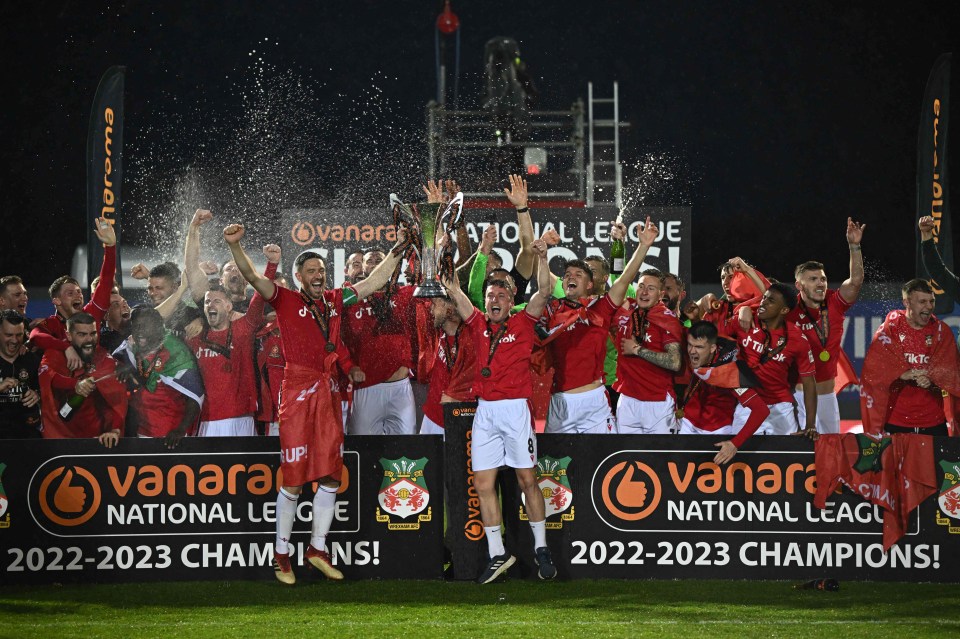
74, 511
641, 507
337, 233
932, 175
105, 166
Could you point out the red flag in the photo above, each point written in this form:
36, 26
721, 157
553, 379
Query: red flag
896, 473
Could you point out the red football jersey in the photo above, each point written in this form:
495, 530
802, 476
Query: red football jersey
378, 347
785, 347
914, 406
709, 407
270, 365
452, 373
509, 376
579, 351
225, 358
636, 377
303, 340
812, 322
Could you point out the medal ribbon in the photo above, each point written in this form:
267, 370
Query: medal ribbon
322, 318
639, 324
450, 354
771, 352
220, 349
822, 325
494, 340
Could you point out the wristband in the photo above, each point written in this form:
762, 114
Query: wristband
854, 247
525, 209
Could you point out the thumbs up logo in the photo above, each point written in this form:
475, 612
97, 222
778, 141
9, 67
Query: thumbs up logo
630, 490
69, 496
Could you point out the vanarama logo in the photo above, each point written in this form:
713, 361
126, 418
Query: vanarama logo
306, 233
630, 490
69, 495
403, 493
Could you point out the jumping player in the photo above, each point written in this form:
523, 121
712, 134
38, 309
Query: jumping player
311, 431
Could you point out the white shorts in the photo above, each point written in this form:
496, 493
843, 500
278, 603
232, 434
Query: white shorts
344, 414
430, 427
231, 427
780, 422
828, 412
578, 413
273, 429
687, 428
503, 435
636, 417
383, 409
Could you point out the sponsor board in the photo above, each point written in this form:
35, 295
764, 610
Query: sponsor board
77, 512
658, 507
336, 234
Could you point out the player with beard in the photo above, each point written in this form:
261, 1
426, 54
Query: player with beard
67, 296
353, 269
578, 327
234, 286
912, 369
104, 406
503, 432
311, 431
453, 371
224, 352
707, 407
649, 340
19, 386
771, 348
819, 314
167, 387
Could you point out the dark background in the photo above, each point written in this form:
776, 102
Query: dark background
775, 121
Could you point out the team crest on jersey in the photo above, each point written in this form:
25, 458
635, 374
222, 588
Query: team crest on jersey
404, 494
929, 340
275, 351
557, 494
4, 502
870, 456
949, 498
24, 374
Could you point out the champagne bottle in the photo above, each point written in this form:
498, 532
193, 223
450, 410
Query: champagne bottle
69, 408
617, 252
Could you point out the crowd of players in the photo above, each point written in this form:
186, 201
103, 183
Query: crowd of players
629, 354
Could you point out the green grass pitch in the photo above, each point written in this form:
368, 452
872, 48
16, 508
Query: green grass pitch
416, 609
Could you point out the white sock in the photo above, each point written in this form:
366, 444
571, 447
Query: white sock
286, 514
324, 507
539, 529
494, 541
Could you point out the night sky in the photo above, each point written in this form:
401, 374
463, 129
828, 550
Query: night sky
774, 121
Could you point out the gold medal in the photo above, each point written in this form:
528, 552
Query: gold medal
824, 356
678, 413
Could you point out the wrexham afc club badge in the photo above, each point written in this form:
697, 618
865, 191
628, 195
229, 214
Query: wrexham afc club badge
949, 499
403, 494
4, 518
555, 486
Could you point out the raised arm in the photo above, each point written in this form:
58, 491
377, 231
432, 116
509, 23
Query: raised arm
517, 194
169, 305
196, 278
648, 234
464, 307
539, 300
381, 275
232, 235
850, 289
933, 262
254, 314
108, 270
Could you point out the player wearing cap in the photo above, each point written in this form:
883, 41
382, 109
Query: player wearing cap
503, 432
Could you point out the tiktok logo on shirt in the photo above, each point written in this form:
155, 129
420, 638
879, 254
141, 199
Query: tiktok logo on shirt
506, 339
916, 358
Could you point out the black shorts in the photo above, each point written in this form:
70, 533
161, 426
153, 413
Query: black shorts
938, 430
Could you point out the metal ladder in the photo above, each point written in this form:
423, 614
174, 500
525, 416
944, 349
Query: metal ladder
604, 173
